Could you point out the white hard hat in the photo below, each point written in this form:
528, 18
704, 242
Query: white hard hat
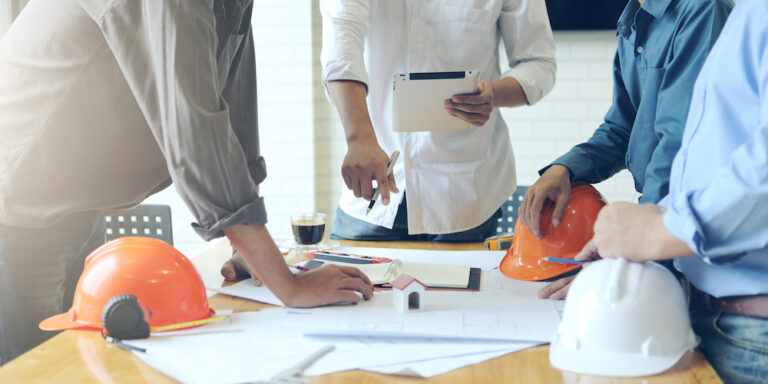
622, 319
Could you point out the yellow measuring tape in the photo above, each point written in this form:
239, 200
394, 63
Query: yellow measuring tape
188, 324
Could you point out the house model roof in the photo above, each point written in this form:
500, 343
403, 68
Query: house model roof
404, 280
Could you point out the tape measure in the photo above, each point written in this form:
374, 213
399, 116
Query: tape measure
498, 242
124, 318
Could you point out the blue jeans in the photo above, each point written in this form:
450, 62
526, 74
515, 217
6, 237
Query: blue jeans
735, 345
39, 270
346, 227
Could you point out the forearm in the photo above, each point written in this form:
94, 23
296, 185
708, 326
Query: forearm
662, 244
349, 98
260, 252
508, 92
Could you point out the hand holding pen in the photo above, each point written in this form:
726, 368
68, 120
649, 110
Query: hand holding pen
390, 166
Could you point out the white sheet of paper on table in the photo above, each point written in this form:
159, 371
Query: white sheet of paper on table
269, 341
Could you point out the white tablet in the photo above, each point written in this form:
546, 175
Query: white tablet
418, 98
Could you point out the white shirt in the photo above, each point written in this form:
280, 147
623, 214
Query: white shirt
455, 180
103, 102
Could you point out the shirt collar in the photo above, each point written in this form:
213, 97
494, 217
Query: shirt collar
656, 8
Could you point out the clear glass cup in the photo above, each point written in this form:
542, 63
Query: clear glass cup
308, 230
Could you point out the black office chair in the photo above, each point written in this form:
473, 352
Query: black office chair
509, 211
145, 220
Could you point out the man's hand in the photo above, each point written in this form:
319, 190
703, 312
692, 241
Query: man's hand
554, 185
636, 232
557, 289
325, 286
236, 268
475, 109
328, 285
366, 161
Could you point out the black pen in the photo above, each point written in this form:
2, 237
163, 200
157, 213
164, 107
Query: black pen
390, 165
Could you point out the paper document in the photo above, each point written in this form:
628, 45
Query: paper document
261, 344
431, 275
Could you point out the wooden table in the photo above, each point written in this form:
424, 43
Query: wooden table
84, 357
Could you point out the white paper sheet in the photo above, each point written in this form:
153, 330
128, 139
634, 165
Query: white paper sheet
254, 346
247, 290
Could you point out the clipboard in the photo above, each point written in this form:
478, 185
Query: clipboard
418, 98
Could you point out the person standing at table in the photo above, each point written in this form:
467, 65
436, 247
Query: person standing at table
662, 46
713, 222
455, 181
103, 103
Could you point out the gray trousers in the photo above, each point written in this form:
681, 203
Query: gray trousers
39, 270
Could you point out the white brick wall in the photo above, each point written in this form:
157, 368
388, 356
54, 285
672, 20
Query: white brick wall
303, 141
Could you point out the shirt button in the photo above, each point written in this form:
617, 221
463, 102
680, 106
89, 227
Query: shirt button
639, 49
416, 48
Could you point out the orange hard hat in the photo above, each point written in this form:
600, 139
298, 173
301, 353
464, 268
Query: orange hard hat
160, 277
523, 260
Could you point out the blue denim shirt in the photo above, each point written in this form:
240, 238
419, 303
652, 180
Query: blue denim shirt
718, 195
661, 48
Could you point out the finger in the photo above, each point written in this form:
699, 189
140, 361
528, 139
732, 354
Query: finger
482, 109
523, 211
347, 179
355, 284
366, 187
392, 184
255, 280
354, 272
228, 271
383, 185
535, 214
560, 204
481, 97
589, 252
356, 189
475, 119
553, 287
561, 293
345, 295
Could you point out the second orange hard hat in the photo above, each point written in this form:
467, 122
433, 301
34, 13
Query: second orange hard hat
163, 279
523, 260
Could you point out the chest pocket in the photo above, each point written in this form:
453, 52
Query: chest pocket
463, 37
643, 138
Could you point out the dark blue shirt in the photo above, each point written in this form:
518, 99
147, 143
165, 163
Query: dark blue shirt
662, 46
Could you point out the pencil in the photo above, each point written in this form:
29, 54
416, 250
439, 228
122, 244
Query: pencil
561, 260
390, 166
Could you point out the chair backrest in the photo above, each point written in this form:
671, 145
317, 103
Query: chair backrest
509, 211
144, 220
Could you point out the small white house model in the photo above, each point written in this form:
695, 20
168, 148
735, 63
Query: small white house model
408, 293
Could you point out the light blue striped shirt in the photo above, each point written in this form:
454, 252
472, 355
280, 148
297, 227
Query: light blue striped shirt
718, 195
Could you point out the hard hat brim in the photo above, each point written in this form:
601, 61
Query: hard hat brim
61, 322
614, 365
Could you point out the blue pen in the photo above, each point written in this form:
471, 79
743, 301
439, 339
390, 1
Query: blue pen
561, 260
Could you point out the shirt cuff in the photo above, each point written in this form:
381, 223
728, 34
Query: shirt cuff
254, 213
343, 70
533, 78
578, 165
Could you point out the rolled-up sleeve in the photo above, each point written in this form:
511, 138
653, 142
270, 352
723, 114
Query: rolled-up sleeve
530, 46
345, 24
167, 51
727, 216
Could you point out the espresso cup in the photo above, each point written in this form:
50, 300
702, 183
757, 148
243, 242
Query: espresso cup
308, 228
